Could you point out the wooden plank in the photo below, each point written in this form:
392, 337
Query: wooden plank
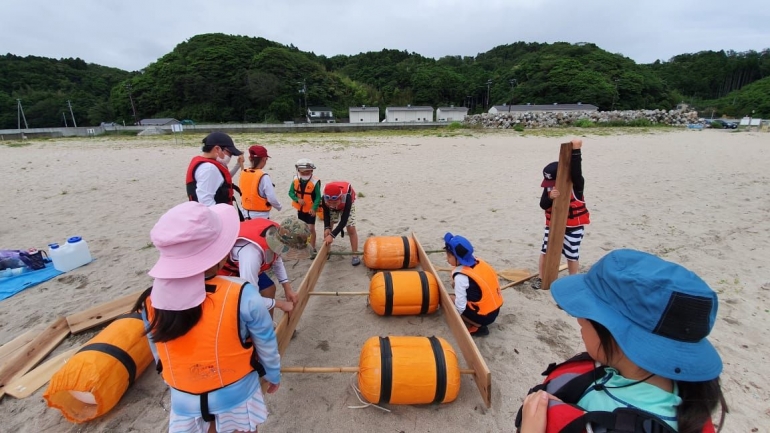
482, 375
558, 217
288, 323
34, 352
17, 343
26, 385
527, 278
101, 313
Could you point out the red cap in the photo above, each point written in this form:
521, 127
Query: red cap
258, 151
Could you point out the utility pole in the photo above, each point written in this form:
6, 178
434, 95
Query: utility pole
63, 116
20, 115
69, 104
131, 98
615, 95
513, 83
303, 90
489, 83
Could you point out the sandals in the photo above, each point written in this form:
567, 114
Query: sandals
478, 331
355, 261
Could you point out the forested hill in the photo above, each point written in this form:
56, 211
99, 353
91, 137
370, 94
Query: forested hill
222, 78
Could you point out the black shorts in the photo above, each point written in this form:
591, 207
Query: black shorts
306, 217
481, 320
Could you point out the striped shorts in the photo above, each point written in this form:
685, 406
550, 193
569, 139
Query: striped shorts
245, 417
572, 238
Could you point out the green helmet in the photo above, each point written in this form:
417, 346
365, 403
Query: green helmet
291, 234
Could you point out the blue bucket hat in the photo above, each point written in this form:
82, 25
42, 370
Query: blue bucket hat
460, 248
658, 312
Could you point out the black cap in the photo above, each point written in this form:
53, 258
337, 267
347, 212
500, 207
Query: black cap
549, 175
222, 140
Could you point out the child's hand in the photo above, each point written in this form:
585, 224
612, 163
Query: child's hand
577, 143
241, 159
291, 296
553, 193
286, 307
273, 387
328, 240
301, 201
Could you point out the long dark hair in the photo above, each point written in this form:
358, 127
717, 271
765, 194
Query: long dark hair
168, 325
699, 399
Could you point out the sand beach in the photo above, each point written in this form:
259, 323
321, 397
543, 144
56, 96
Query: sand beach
698, 198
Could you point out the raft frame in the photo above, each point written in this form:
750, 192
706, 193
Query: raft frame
481, 374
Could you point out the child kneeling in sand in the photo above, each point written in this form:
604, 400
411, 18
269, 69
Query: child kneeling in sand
477, 290
338, 205
210, 353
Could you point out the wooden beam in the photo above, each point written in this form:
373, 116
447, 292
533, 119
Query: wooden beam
481, 373
288, 324
26, 385
30, 355
559, 214
527, 278
101, 313
17, 343
342, 370
338, 293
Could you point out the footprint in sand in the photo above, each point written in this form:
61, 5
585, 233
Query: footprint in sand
79, 281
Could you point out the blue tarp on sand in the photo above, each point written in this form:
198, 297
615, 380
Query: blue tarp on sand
10, 286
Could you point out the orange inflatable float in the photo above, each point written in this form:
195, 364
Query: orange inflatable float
408, 370
390, 252
94, 379
403, 293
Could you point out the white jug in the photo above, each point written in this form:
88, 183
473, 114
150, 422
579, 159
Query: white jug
71, 255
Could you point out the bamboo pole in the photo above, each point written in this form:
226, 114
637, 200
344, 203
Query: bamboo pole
514, 283
338, 293
359, 253
342, 370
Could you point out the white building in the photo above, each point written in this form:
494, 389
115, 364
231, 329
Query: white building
544, 107
364, 114
409, 114
320, 115
451, 114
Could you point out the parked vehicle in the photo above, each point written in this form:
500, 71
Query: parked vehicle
720, 123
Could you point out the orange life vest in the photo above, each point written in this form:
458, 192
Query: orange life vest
249, 185
253, 231
486, 278
344, 188
300, 192
212, 354
225, 192
578, 213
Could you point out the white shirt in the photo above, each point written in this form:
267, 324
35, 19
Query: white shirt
250, 258
208, 179
267, 191
461, 284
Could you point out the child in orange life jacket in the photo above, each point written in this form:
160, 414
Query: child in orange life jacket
338, 205
578, 213
477, 290
257, 190
211, 335
259, 247
645, 321
305, 192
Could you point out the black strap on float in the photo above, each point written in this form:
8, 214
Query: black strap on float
386, 370
205, 414
407, 251
129, 316
116, 352
388, 292
425, 292
438, 354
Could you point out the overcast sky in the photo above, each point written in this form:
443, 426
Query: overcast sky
132, 34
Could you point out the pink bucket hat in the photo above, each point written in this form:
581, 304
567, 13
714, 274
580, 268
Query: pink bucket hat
178, 294
191, 238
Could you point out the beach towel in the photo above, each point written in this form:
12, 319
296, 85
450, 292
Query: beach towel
12, 285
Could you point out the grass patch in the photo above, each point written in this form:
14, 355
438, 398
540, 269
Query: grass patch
454, 126
17, 143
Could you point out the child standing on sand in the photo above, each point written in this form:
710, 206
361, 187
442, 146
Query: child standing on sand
305, 192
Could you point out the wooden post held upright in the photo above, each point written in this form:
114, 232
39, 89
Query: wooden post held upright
559, 214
